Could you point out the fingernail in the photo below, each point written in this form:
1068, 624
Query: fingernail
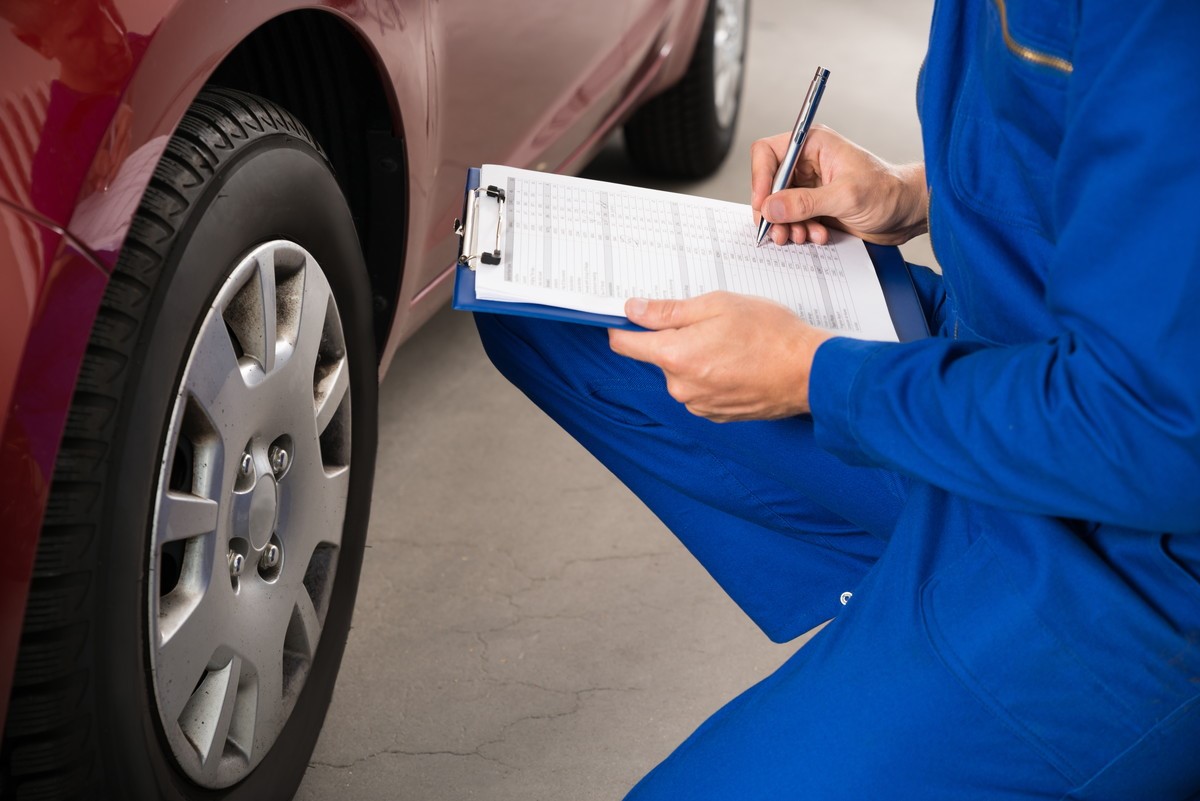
775, 210
635, 307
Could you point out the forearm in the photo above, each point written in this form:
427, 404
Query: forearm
1045, 428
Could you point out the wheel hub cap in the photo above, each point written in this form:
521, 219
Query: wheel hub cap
261, 513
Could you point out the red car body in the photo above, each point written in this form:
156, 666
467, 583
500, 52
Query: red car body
88, 101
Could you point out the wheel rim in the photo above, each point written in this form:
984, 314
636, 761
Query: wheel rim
729, 44
250, 507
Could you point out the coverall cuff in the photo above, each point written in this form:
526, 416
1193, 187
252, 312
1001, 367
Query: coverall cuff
836, 367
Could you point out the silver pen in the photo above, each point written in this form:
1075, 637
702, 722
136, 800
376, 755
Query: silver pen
799, 133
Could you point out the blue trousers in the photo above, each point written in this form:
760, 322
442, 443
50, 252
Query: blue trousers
872, 707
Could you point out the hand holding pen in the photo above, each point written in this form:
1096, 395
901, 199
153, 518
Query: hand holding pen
804, 120
833, 183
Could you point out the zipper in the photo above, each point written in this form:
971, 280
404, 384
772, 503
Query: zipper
1028, 53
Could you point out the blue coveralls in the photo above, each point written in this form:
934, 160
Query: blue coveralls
1015, 502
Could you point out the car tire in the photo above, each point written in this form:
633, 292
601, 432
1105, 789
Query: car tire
687, 131
154, 493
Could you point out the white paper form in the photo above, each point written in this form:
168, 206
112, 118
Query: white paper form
590, 245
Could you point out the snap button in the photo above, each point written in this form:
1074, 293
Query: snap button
846, 596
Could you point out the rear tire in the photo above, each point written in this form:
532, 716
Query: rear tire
240, 180
687, 131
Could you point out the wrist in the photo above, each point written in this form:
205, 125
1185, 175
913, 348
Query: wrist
912, 205
809, 343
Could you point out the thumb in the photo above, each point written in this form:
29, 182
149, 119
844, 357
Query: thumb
798, 205
659, 314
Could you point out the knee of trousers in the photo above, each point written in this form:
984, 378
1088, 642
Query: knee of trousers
500, 343
549, 360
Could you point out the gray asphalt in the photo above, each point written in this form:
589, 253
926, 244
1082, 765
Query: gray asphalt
525, 629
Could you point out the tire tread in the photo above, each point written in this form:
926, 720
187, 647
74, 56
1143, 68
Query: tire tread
676, 134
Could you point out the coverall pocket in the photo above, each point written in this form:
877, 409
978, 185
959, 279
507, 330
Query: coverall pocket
993, 171
1000, 649
1010, 117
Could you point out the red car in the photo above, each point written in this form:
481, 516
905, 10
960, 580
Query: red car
218, 221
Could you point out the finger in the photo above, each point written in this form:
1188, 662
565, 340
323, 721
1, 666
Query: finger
810, 231
645, 346
801, 204
818, 232
764, 161
783, 233
660, 314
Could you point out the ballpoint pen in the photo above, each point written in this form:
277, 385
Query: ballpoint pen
799, 134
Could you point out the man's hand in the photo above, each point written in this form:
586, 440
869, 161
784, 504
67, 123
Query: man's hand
726, 357
837, 184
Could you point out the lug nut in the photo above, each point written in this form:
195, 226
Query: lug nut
247, 464
279, 460
236, 563
270, 557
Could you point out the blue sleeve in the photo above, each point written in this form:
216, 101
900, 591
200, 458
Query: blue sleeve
1100, 421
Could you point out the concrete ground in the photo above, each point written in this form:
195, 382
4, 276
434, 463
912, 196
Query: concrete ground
525, 629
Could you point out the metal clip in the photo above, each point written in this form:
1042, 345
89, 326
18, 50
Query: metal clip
466, 228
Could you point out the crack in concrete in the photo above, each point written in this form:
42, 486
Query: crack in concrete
560, 572
576, 706
401, 752
577, 700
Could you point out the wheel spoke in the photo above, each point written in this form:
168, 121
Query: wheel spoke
213, 378
330, 391
269, 332
313, 309
269, 712
337, 483
241, 729
206, 720
315, 508
184, 516
251, 308
190, 629
306, 626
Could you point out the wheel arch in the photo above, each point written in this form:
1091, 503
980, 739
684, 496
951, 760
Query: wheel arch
321, 70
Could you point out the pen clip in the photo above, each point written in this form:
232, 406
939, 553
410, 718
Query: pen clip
808, 110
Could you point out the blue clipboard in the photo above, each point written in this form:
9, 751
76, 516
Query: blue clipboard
898, 291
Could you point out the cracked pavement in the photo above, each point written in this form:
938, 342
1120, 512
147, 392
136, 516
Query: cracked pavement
525, 629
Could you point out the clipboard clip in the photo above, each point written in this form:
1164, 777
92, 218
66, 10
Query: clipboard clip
465, 228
